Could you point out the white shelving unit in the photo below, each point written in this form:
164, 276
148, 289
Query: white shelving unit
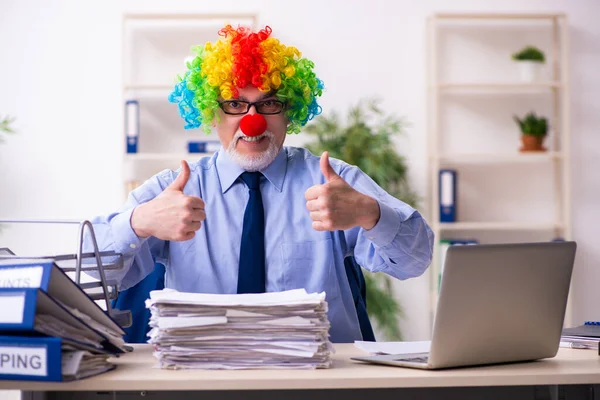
473, 92
155, 47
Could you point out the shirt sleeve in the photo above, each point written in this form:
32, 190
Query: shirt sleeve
400, 244
114, 232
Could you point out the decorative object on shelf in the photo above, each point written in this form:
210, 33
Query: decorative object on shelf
533, 131
132, 125
447, 195
530, 60
366, 141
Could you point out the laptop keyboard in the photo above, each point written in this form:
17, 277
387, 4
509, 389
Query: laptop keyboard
423, 360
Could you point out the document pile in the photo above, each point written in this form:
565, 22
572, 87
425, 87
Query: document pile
282, 330
49, 328
584, 336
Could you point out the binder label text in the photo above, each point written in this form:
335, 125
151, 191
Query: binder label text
28, 277
23, 361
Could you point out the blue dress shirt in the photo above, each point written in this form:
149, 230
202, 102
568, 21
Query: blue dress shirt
297, 256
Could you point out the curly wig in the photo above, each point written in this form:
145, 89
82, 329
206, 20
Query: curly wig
240, 58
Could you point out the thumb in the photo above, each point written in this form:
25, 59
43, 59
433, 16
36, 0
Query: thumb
179, 182
326, 168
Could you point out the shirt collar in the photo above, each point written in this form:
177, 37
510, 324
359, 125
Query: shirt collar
228, 171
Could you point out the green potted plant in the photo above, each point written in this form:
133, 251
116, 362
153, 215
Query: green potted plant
5, 127
366, 141
533, 131
530, 60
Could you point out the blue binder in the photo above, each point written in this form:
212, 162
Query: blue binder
34, 359
29, 287
30, 358
20, 307
447, 195
47, 276
132, 125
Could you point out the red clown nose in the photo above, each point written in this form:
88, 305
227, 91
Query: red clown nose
253, 124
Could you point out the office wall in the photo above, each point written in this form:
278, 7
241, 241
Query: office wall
60, 75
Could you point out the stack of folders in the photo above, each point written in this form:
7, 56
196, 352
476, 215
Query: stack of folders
584, 336
280, 330
50, 329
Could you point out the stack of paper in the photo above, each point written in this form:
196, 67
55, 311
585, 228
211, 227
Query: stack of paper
241, 331
82, 364
581, 337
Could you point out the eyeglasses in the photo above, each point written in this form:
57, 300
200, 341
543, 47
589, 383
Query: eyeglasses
239, 107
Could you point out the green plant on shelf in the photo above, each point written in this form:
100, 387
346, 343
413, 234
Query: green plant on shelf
532, 125
529, 53
366, 141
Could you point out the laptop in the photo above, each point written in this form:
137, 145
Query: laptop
498, 303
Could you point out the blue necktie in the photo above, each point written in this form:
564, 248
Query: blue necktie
251, 274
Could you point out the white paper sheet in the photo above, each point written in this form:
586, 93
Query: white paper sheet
289, 297
394, 347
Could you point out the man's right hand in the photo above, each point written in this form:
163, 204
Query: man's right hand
171, 215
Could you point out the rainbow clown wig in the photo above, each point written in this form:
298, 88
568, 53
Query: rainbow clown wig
242, 58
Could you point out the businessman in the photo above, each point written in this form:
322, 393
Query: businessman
258, 216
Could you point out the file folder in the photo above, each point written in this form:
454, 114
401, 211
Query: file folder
49, 277
19, 309
38, 289
447, 195
132, 125
28, 358
44, 359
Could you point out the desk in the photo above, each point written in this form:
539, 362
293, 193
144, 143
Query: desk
136, 373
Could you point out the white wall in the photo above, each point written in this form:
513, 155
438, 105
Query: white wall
60, 75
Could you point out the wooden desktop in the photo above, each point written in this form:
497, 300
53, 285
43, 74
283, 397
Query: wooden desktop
136, 372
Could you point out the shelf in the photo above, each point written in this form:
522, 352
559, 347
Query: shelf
491, 158
187, 17
164, 156
473, 91
149, 87
498, 226
456, 16
501, 87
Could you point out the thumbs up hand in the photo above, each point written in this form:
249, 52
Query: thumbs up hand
335, 205
171, 215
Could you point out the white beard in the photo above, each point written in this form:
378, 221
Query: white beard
257, 162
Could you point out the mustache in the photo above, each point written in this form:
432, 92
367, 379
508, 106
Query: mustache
239, 134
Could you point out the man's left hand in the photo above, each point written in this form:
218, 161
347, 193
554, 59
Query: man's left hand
335, 205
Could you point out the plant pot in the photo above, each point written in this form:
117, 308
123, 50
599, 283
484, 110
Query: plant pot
532, 143
530, 71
